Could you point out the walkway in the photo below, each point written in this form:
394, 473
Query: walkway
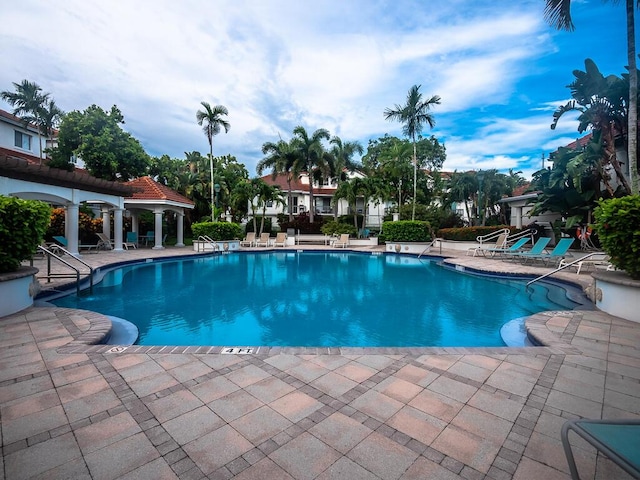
440, 413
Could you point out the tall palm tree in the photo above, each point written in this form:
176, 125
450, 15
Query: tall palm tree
313, 157
413, 115
27, 101
50, 117
343, 153
558, 14
211, 119
282, 158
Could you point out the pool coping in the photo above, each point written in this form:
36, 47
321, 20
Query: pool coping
547, 341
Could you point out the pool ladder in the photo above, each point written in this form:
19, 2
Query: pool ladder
210, 241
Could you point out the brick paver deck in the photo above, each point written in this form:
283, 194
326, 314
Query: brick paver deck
437, 413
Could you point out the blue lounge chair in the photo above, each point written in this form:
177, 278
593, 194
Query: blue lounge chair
558, 253
617, 439
536, 249
516, 247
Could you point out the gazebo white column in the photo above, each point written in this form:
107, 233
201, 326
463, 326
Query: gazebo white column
71, 227
158, 229
518, 217
180, 228
117, 227
134, 221
106, 221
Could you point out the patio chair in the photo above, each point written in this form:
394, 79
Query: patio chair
263, 241
616, 439
104, 243
516, 247
342, 242
150, 237
558, 252
64, 243
281, 240
249, 240
480, 249
536, 249
132, 240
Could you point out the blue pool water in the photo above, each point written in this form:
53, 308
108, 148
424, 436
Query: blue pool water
313, 299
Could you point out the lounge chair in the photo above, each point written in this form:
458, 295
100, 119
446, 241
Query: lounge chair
104, 243
616, 439
249, 240
342, 242
263, 241
558, 253
64, 243
480, 249
281, 240
516, 247
536, 249
132, 240
595, 260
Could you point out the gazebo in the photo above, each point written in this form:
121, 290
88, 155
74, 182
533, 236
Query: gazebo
157, 198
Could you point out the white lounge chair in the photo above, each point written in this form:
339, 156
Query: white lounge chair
281, 240
249, 240
104, 243
263, 241
342, 242
501, 242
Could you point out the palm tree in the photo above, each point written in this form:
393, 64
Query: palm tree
268, 193
343, 153
50, 117
211, 120
282, 158
463, 188
558, 14
27, 101
349, 190
413, 114
312, 156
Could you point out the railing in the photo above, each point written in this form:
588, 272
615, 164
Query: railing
50, 254
428, 247
206, 239
562, 267
492, 236
517, 236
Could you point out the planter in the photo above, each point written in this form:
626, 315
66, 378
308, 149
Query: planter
363, 242
617, 294
17, 290
222, 246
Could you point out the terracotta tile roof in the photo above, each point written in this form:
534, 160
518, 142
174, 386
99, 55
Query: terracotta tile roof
149, 189
14, 119
31, 159
580, 142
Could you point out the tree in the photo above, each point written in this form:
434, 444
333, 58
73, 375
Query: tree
268, 193
463, 188
413, 115
282, 158
601, 103
33, 106
96, 137
313, 157
211, 119
343, 153
349, 191
558, 14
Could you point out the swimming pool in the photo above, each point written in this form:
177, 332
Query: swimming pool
313, 299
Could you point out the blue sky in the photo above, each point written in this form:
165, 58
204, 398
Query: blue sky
499, 68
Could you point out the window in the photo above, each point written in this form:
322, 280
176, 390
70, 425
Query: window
22, 140
269, 203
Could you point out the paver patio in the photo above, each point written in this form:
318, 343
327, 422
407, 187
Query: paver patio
69, 410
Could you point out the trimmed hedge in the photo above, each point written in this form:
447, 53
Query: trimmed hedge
23, 224
338, 228
218, 231
618, 227
406, 231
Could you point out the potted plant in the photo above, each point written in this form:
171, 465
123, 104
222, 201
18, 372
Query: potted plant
23, 224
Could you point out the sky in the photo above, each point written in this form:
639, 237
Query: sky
499, 69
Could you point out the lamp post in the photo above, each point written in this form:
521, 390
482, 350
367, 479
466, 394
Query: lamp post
216, 189
480, 176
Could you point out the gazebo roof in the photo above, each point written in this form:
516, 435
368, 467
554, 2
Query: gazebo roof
150, 192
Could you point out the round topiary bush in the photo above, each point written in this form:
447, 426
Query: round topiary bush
406, 231
618, 228
23, 224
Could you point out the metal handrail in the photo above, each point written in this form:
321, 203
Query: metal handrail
492, 236
563, 267
517, 236
49, 254
210, 241
431, 245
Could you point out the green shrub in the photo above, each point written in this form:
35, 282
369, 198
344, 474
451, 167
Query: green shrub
217, 231
23, 224
338, 228
406, 231
301, 223
618, 227
469, 234
268, 228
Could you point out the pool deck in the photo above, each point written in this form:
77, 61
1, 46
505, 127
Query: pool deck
349, 413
